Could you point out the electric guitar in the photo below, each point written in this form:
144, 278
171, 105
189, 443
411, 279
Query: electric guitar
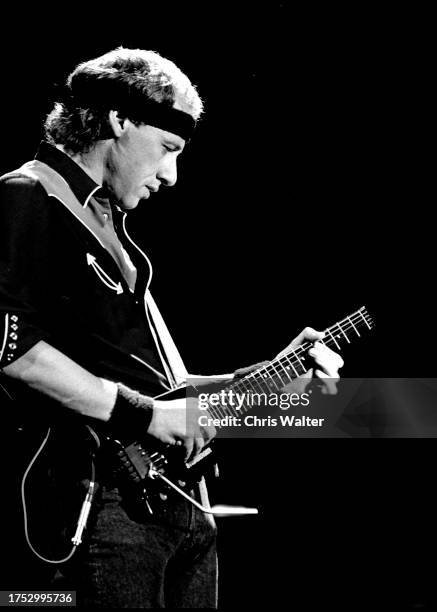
152, 467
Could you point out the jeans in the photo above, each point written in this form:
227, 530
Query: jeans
164, 560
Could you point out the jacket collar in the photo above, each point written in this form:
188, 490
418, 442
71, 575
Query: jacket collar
78, 180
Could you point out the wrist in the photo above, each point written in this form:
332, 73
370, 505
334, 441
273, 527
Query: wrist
131, 414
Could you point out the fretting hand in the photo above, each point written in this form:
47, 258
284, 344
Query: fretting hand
328, 362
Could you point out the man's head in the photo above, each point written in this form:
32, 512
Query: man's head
138, 109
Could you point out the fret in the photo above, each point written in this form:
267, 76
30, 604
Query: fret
300, 363
294, 369
264, 380
356, 331
218, 411
225, 409
272, 364
335, 341
261, 384
285, 370
266, 376
343, 332
250, 378
212, 410
364, 319
275, 385
229, 409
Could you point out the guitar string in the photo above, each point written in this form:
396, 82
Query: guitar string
357, 319
295, 360
302, 349
261, 386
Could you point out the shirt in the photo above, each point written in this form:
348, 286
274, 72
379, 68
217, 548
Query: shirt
73, 277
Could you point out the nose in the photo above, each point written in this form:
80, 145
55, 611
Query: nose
168, 173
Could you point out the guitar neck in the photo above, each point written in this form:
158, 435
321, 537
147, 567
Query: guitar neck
275, 375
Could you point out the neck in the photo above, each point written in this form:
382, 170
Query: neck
90, 162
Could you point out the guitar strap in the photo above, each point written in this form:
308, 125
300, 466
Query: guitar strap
180, 375
172, 354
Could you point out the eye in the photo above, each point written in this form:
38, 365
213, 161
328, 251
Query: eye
169, 148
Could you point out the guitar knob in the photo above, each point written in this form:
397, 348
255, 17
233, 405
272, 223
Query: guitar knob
163, 496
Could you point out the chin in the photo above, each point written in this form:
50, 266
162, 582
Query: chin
127, 204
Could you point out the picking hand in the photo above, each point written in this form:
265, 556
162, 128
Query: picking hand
177, 422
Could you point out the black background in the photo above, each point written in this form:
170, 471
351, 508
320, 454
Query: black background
301, 198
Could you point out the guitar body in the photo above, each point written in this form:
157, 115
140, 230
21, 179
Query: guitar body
135, 461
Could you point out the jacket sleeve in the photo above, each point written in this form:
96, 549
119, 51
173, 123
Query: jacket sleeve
24, 265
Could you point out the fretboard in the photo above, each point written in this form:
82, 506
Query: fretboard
274, 376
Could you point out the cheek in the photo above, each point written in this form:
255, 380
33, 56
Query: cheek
129, 172
132, 164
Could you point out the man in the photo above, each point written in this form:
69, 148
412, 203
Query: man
77, 339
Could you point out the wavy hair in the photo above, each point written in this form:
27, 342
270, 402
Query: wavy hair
80, 119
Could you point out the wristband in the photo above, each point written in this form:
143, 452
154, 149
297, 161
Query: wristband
131, 414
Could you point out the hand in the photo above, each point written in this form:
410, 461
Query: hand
177, 422
328, 361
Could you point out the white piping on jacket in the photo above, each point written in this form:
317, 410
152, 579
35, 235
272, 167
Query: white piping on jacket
5, 336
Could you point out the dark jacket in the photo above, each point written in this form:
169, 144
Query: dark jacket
59, 283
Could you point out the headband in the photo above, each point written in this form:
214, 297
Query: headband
106, 95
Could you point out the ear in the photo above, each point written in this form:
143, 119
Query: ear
117, 123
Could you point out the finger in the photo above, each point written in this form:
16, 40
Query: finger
326, 358
299, 384
329, 370
330, 354
167, 439
329, 384
209, 432
189, 446
199, 443
306, 334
